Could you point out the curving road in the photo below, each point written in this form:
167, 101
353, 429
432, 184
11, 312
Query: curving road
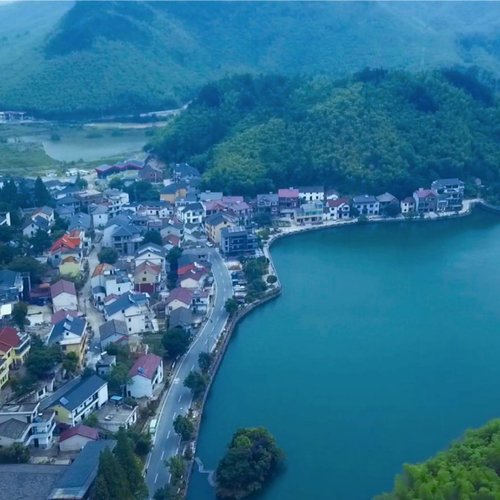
178, 398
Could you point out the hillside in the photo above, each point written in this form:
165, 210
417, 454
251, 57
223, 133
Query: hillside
93, 58
468, 469
376, 131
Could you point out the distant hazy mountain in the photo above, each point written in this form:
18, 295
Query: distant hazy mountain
90, 58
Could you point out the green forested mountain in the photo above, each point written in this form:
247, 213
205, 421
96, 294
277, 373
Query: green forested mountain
469, 469
92, 58
376, 131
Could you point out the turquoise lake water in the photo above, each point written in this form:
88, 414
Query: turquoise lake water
384, 347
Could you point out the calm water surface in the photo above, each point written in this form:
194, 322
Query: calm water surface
384, 346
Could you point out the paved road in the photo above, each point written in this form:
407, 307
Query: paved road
178, 398
94, 317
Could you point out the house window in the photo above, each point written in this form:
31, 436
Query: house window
129, 320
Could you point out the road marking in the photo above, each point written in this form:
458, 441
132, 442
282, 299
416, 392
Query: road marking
179, 400
192, 368
168, 435
156, 477
162, 454
177, 450
175, 413
148, 460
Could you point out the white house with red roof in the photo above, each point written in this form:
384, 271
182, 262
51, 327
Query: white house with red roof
70, 244
145, 376
338, 209
178, 297
193, 278
63, 294
75, 438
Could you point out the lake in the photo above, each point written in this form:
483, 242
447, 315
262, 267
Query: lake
82, 143
383, 348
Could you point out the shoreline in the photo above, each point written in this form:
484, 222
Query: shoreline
277, 290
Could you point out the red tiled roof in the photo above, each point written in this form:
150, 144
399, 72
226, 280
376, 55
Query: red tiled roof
338, 202
288, 193
145, 366
101, 269
66, 241
62, 286
424, 193
155, 268
79, 430
10, 336
196, 274
62, 314
173, 240
182, 294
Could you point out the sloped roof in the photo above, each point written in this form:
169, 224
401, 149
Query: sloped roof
288, 193
101, 269
62, 286
148, 266
182, 294
66, 241
68, 325
364, 198
78, 478
145, 366
12, 337
77, 394
125, 301
112, 327
62, 314
80, 430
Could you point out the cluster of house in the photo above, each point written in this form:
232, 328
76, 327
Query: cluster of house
314, 204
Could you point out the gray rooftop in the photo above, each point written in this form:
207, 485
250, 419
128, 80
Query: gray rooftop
13, 429
78, 478
364, 198
23, 481
73, 394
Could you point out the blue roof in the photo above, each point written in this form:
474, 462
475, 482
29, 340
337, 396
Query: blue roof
78, 478
77, 394
125, 301
70, 324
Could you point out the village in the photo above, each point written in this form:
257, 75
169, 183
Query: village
126, 256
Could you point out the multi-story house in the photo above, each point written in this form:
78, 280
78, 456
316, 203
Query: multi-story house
133, 309
173, 192
148, 277
237, 240
126, 239
366, 204
63, 294
450, 194
309, 213
192, 213
311, 193
70, 244
26, 424
407, 205
288, 200
71, 334
215, 223
78, 399
19, 342
425, 201
145, 376
338, 209
150, 252
268, 204
115, 200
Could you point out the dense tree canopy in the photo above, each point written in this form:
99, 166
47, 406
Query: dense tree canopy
469, 469
252, 458
377, 131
